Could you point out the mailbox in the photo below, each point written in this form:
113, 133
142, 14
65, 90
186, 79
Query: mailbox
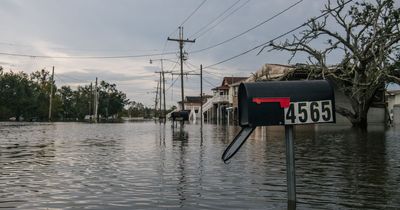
281, 103
180, 115
286, 103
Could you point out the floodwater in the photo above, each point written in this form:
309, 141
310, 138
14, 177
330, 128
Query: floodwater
149, 166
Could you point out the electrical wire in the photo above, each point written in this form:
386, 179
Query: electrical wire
74, 49
194, 11
172, 84
213, 85
215, 19
61, 80
213, 74
223, 19
248, 30
274, 39
85, 57
69, 77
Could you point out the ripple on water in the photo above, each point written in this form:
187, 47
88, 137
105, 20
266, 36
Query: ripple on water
147, 166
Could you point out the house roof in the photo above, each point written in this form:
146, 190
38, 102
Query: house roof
393, 92
226, 81
195, 99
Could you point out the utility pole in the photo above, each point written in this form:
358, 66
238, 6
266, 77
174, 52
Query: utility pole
155, 101
90, 103
181, 41
163, 78
160, 115
201, 95
96, 102
162, 74
51, 93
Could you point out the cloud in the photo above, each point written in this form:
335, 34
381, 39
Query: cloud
124, 27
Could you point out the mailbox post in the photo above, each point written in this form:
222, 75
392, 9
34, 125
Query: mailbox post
285, 103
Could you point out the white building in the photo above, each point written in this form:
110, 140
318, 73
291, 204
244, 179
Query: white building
219, 107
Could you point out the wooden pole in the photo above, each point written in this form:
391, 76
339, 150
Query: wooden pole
51, 93
201, 95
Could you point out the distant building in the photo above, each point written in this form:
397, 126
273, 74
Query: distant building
219, 107
193, 104
393, 99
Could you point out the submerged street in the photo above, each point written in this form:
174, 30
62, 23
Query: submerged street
146, 165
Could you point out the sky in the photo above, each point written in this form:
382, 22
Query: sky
65, 30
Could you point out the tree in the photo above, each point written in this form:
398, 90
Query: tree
67, 100
366, 35
111, 101
42, 85
17, 95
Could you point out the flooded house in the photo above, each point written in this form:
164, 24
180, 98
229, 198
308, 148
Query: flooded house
193, 106
217, 108
393, 99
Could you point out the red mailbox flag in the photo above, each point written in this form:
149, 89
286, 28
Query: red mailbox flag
283, 101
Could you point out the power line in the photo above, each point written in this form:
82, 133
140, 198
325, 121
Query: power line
61, 80
208, 82
85, 57
274, 39
75, 49
215, 19
223, 19
69, 77
172, 84
213, 74
194, 11
183, 22
248, 30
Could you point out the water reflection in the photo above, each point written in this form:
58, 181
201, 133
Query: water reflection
153, 166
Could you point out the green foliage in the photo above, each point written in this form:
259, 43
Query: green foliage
16, 94
139, 110
27, 98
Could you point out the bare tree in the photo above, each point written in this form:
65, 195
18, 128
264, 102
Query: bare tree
366, 34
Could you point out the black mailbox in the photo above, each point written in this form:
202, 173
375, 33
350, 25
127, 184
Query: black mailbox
281, 103
286, 103
180, 115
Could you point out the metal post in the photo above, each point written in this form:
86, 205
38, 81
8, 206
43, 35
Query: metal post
290, 165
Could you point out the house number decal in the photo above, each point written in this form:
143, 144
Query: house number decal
309, 112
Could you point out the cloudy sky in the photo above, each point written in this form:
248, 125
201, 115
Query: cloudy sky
79, 37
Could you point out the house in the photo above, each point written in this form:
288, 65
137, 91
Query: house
217, 108
193, 105
393, 99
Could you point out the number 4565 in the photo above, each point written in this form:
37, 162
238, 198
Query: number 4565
308, 112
